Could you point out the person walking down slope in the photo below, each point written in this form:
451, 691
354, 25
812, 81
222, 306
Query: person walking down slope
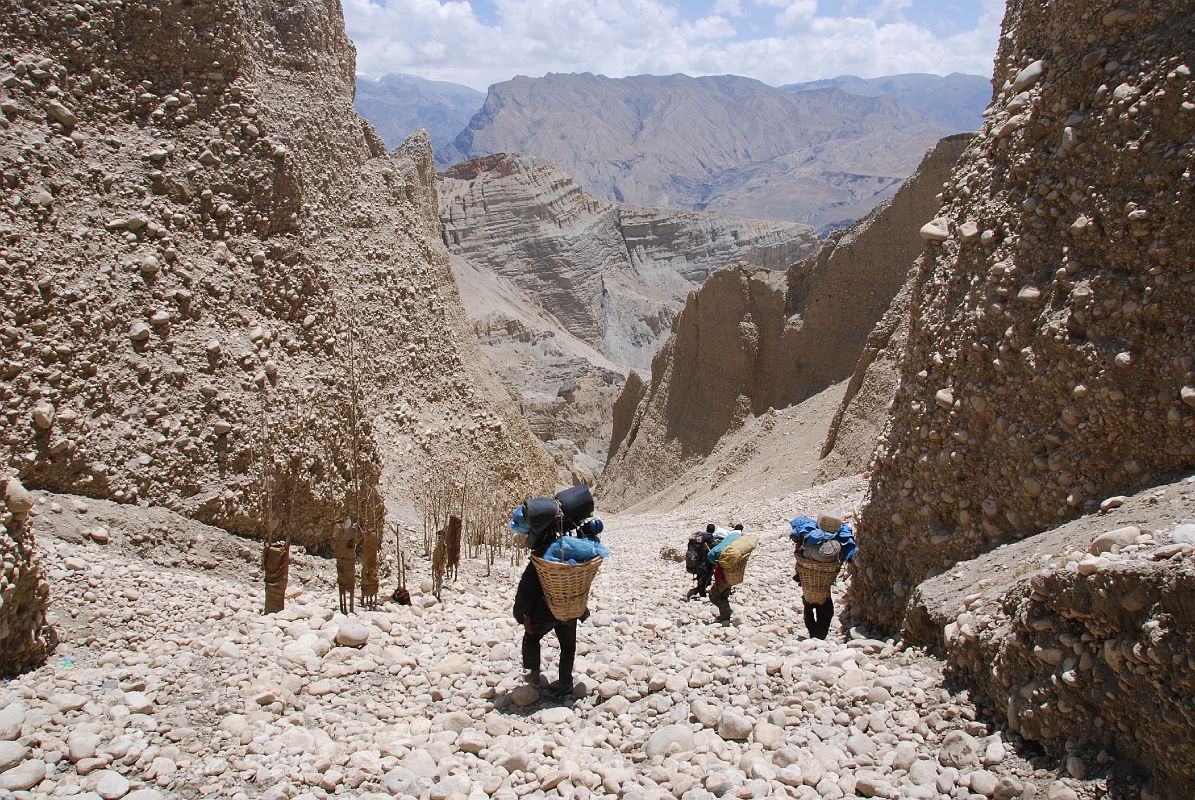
729, 558
821, 547
697, 562
531, 609
561, 530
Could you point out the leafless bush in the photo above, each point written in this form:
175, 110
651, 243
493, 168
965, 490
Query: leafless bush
671, 553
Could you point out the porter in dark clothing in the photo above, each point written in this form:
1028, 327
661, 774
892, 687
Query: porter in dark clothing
818, 616
701, 544
531, 609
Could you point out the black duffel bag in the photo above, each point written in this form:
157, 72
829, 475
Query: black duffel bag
576, 506
542, 515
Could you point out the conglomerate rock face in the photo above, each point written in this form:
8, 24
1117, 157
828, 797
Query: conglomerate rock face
750, 339
1082, 637
1049, 359
221, 295
25, 636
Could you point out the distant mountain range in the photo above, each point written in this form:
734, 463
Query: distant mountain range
398, 104
726, 144
822, 153
956, 100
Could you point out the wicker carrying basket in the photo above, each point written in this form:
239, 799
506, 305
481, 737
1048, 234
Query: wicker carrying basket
816, 578
566, 586
735, 576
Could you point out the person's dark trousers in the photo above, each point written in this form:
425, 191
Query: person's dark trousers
720, 597
566, 634
703, 584
818, 616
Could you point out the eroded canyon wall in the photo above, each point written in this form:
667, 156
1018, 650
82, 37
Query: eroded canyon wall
750, 340
196, 226
568, 292
1049, 359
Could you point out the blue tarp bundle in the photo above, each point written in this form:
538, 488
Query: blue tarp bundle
575, 550
806, 532
716, 551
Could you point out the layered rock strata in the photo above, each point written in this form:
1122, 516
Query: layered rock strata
609, 273
750, 340
1048, 362
222, 296
568, 292
1081, 636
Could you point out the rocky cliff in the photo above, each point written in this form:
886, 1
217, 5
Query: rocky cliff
25, 635
1048, 362
1080, 637
750, 340
568, 292
222, 295
727, 144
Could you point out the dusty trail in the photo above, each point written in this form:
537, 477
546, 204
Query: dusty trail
169, 682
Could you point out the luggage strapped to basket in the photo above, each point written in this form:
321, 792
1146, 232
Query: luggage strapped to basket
576, 506
733, 558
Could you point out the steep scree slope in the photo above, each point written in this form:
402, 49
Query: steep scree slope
749, 340
609, 272
195, 221
1049, 359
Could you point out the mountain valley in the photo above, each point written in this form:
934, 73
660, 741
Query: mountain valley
273, 387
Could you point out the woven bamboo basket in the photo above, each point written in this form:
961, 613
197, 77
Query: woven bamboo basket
816, 578
566, 586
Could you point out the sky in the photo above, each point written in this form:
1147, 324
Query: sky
480, 42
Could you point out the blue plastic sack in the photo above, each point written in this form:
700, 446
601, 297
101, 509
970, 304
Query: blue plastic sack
806, 531
575, 550
518, 521
716, 551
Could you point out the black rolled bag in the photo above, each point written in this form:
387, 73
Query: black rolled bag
576, 506
543, 515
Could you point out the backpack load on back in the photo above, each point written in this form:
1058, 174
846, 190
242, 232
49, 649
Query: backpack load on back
576, 506
575, 550
695, 563
541, 518
733, 558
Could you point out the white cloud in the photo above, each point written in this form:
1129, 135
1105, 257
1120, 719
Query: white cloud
447, 40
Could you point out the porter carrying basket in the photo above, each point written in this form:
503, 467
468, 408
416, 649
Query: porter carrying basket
816, 578
566, 586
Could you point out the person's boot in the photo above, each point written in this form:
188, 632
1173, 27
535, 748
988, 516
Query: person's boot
723, 611
532, 678
561, 687
689, 595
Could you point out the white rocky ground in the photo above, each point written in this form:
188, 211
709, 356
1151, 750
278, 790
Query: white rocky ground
170, 682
